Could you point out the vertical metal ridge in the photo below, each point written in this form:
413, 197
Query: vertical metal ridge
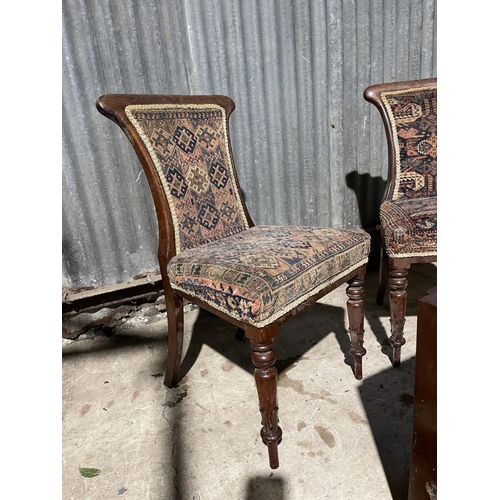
288, 112
276, 195
304, 100
336, 64
321, 97
350, 132
402, 39
428, 42
258, 133
415, 40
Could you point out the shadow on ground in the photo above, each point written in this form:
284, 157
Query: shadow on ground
421, 278
386, 396
389, 409
260, 487
293, 341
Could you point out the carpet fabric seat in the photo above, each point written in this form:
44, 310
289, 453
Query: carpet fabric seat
260, 274
409, 227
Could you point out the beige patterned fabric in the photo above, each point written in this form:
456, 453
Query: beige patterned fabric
189, 147
260, 274
409, 227
413, 118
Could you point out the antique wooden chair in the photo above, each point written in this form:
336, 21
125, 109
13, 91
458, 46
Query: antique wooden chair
408, 213
211, 254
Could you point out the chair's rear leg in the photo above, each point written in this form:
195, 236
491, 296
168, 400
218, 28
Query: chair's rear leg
175, 318
266, 380
240, 335
383, 276
356, 315
397, 295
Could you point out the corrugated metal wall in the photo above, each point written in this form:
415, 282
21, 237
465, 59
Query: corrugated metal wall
307, 147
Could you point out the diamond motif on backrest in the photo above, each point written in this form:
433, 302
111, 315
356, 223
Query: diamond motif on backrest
218, 176
161, 142
207, 137
208, 216
178, 186
197, 178
413, 117
189, 148
184, 138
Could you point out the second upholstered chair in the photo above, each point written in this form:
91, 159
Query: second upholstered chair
408, 214
211, 253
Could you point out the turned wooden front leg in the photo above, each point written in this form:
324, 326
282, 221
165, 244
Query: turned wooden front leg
356, 315
265, 373
397, 296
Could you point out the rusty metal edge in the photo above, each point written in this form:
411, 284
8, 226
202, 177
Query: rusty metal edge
141, 289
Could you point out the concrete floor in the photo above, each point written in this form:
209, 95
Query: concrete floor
342, 438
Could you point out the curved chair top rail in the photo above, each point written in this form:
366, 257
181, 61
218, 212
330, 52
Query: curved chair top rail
113, 105
372, 93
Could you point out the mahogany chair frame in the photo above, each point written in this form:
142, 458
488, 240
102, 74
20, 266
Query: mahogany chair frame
113, 107
394, 271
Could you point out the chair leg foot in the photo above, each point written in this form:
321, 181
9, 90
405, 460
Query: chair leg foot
396, 356
265, 373
358, 368
397, 296
356, 314
175, 318
272, 449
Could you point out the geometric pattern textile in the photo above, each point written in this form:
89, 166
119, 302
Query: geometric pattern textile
413, 118
409, 227
188, 144
261, 273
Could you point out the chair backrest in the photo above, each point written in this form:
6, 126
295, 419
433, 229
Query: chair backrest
183, 145
409, 113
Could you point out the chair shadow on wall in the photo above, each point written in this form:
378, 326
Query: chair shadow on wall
389, 412
369, 192
314, 324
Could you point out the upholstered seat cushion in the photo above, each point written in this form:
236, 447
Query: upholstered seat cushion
261, 273
409, 227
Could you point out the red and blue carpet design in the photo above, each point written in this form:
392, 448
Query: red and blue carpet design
409, 220
409, 227
413, 117
189, 147
259, 274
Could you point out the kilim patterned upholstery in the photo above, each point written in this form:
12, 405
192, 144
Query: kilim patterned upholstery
409, 218
258, 275
189, 146
409, 226
413, 117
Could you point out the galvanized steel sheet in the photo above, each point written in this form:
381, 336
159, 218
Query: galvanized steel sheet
308, 148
